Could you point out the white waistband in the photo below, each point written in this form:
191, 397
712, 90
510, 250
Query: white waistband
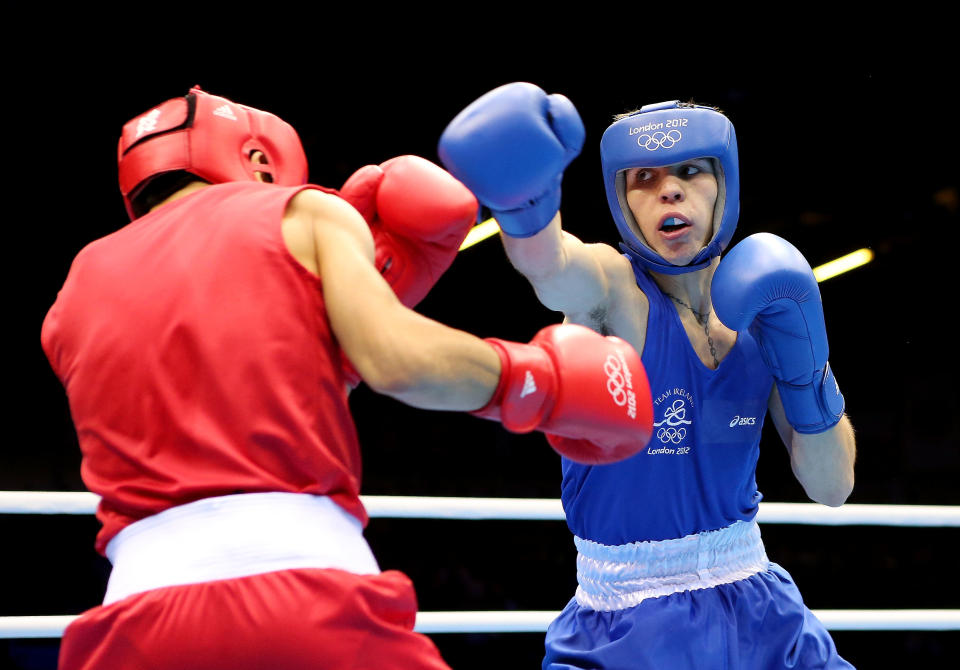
622, 576
235, 536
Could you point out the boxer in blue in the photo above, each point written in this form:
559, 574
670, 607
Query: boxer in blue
672, 571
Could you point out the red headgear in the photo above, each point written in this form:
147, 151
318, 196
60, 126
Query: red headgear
210, 137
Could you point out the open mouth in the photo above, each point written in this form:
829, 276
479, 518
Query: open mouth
673, 224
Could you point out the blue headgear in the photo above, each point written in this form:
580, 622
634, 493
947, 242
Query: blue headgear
663, 134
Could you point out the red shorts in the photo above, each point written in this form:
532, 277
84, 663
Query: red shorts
316, 618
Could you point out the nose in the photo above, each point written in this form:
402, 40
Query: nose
671, 190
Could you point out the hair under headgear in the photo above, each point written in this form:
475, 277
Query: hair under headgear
210, 137
663, 134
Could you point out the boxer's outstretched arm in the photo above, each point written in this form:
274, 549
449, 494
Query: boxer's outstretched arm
567, 275
396, 351
821, 462
510, 147
559, 383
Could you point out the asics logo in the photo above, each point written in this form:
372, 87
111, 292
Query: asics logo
743, 421
620, 383
148, 123
659, 139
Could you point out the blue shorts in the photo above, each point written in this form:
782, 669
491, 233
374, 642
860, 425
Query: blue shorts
754, 624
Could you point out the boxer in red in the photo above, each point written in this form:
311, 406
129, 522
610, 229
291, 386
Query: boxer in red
206, 350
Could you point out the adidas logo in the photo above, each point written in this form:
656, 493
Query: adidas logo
225, 112
529, 386
147, 123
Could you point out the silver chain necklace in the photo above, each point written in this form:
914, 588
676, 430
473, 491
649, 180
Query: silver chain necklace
703, 320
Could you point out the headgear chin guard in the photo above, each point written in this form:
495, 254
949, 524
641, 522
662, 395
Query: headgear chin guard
210, 137
663, 134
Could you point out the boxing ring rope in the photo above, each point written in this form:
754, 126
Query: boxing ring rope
540, 509
533, 509
33, 627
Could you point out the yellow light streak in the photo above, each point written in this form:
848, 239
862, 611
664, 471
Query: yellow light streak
480, 232
853, 260
842, 264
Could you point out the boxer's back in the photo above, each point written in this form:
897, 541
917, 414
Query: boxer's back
198, 360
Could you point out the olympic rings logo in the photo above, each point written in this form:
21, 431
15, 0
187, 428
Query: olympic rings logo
659, 139
672, 435
616, 383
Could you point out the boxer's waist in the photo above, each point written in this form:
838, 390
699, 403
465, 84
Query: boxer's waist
621, 576
235, 536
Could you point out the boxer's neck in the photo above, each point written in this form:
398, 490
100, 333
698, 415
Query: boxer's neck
190, 188
693, 288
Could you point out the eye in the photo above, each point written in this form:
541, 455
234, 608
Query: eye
690, 169
642, 175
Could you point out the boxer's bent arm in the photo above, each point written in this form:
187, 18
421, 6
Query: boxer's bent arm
567, 275
821, 462
396, 351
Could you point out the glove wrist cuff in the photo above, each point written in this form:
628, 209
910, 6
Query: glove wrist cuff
530, 220
814, 407
525, 393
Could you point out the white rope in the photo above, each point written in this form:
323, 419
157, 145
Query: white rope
48, 502
421, 507
860, 515
889, 619
533, 509
22, 627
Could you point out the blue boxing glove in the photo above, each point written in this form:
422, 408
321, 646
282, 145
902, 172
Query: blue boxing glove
766, 284
510, 147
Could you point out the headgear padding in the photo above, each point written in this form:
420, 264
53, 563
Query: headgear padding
210, 137
664, 134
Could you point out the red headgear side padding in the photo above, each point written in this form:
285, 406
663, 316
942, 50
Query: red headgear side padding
211, 137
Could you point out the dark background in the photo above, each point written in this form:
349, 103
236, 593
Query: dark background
837, 152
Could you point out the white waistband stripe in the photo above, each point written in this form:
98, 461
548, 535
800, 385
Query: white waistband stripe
235, 536
622, 576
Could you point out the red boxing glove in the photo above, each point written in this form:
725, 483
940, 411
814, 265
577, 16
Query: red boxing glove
419, 215
588, 392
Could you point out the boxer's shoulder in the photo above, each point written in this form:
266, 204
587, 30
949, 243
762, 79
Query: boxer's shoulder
628, 315
628, 304
313, 203
624, 308
314, 218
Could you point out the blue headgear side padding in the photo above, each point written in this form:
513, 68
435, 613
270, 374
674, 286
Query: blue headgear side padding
663, 134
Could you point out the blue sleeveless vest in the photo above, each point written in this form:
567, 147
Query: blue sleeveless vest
698, 471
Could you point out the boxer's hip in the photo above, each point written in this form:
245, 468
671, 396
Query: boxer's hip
249, 582
704, 601
235, 536
618, 577
280, 620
